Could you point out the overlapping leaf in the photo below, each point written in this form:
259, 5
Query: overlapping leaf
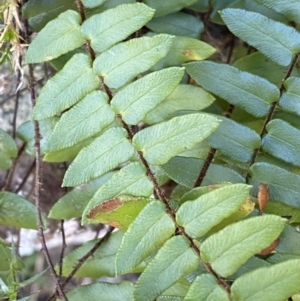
281, 141
114, 25
92, 3
137, 99
200, 215
277, 41
290, 99
8, 150
123, 62
183, 97
179, 23
102, 155
87, 118
275, 283
234, 140
283, 185
130, 180
160, 142
173, 261
228, 249
249, 92
206, 288
73, 203
185, 171
66, 88
56, 38
148, 232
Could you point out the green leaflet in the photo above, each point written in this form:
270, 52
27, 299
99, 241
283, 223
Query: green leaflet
228, 249
137, 99
249, 92
8, 150
283, 185
114, 25
185, 171
73, 203
289, 242
277, 41
206, 288
179, 23
66, 88
56, 38
119, 211
160, 142
87, 118
280, 141
123, 62
274, 283
148, 232
96, 266
185, 50
183, 97
176, 292
200, 215
15, 211
92, 3
291, 8
234, 140
102, 155
173, 261
8, 258
290, 99
130, 180
109, 291
164, 8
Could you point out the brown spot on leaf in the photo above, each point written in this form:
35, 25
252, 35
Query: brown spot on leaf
105, 207
188, 52
262, 196
270, 248
115, 224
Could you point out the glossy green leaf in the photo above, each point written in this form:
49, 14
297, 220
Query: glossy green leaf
96, 266
183, 97
200, 215
291, 9
281, 141
164, 8
173, 261
123, 62
87, 118
242, 89
234, 140
92, 3
108, 291
185, 171
228, 249
185, 50
289, 241
40, 12
102, 155
73, 203
56, 38
283, 185
130, 180
215, 6
66, 88
137, 99
114, 25
290, 99
160, 142
15, 211
201, 6
277, 41
206, 288
148, 232
275, 283
8, 150
108, 4
119, 211
179, 23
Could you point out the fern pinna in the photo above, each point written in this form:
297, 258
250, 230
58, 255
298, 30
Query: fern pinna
135, 103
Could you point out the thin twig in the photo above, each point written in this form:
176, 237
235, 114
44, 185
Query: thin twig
271, 112
37, 184
25, 178
63, 248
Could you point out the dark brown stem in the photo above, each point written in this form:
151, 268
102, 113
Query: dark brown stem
37, 184
25, 178
63, 248
271, 112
